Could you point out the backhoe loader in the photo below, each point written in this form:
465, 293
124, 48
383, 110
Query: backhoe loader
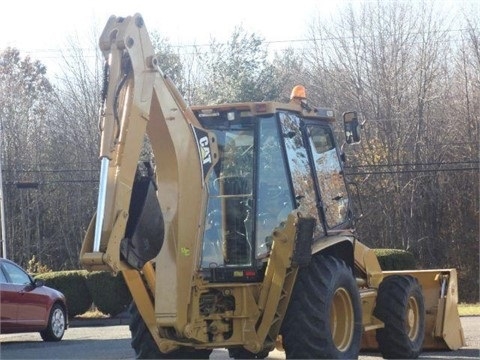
239, 234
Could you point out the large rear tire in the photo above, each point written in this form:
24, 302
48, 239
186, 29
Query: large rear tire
324, 317
145, 346
400, 305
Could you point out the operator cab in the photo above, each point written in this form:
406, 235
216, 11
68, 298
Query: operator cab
273, 158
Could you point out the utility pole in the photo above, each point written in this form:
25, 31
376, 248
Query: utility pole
2, 207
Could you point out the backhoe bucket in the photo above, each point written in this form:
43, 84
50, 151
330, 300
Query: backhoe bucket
443, 329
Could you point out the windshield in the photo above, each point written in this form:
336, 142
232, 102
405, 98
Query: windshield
241, 217
274, 200
228, 224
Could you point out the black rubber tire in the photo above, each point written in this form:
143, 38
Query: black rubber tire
325, 293
400, 305
145, 347
242, 353
56, 324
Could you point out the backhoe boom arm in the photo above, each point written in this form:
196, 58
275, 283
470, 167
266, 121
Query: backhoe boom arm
140, 100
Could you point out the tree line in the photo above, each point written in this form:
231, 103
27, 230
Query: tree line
410, 70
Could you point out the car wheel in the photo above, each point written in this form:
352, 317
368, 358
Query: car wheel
56, 324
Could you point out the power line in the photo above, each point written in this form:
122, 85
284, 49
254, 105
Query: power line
417, 164
394, 165
410, 171
56, 53
54, 171
71, 181
459, 169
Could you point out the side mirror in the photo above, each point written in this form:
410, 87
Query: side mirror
33, 284
351, 127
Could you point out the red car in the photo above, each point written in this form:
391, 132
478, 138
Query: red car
27, 305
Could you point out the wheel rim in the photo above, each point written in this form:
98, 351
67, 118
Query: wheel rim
342, 319
413, 318
58, 322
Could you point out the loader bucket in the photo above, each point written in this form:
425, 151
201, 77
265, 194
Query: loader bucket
443, 329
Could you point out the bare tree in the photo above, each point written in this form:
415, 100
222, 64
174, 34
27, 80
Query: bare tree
25, 98
76, 136
394, 61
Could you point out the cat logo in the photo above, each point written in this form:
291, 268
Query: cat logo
204, 149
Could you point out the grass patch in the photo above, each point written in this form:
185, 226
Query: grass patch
469, 309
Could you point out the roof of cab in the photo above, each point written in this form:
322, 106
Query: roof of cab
267, 107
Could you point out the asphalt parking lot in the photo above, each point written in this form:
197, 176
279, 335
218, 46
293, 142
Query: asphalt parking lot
110, 339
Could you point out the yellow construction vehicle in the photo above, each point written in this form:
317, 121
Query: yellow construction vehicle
239, 233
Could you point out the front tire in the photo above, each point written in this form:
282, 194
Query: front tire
324, 317
400, 305
145, 346
56, 324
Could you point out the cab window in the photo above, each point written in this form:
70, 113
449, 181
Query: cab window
333, 192
300, 170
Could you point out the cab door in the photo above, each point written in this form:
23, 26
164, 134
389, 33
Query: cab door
328, 174
316, 171
302, 175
